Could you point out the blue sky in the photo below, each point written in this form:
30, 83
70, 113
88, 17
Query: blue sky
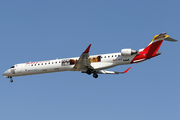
43, 30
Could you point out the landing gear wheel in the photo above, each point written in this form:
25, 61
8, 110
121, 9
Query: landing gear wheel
11, 79
88, 72
95, 75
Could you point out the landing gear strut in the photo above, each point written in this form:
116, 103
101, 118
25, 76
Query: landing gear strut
11, 80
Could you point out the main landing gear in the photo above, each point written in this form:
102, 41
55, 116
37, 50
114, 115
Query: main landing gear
89, 72
95, 75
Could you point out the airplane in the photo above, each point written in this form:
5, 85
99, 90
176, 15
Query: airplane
95, 64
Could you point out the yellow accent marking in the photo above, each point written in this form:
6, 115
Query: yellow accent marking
166, 36
156, 37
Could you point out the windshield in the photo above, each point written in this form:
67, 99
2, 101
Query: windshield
12, 66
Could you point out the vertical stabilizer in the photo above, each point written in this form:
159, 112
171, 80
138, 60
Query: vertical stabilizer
152, 49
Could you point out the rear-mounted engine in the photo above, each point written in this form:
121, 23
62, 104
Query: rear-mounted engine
128, 52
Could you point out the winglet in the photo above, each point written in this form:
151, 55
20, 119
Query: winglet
127, 70
87, 50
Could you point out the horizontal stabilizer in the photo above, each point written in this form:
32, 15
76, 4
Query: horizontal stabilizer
113, 72
170, 39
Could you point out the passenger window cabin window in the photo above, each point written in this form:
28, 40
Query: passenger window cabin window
118, 55
115, 55
108, 56
104, 56
56, 62
42, 64
45, 63
32, 65
12, 66
112, 55
59, 62
49, 62
38, 64
52, 62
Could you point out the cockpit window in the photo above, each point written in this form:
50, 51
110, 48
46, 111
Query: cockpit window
12, 66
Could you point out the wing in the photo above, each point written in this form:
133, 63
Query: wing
112, 72
83, 63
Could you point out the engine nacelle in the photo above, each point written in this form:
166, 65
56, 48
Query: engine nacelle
128, 52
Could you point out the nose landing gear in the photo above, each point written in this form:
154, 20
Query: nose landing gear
11, 79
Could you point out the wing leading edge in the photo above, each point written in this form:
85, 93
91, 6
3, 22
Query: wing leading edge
83, 63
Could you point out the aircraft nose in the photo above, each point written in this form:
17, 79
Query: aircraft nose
6, 73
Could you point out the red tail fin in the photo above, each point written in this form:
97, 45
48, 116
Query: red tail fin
152, 49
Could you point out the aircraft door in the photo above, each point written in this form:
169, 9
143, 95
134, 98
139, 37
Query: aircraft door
12, 70
16, 69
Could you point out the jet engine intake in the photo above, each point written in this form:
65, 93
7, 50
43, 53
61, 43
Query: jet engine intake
128, 52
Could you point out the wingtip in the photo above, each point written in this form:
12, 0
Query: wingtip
87, 50
127, 70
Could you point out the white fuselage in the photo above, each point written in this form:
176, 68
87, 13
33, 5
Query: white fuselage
104, 61
95, 64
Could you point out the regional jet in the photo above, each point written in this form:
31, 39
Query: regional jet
94, 64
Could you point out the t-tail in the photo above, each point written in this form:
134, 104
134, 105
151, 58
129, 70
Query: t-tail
152, 49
